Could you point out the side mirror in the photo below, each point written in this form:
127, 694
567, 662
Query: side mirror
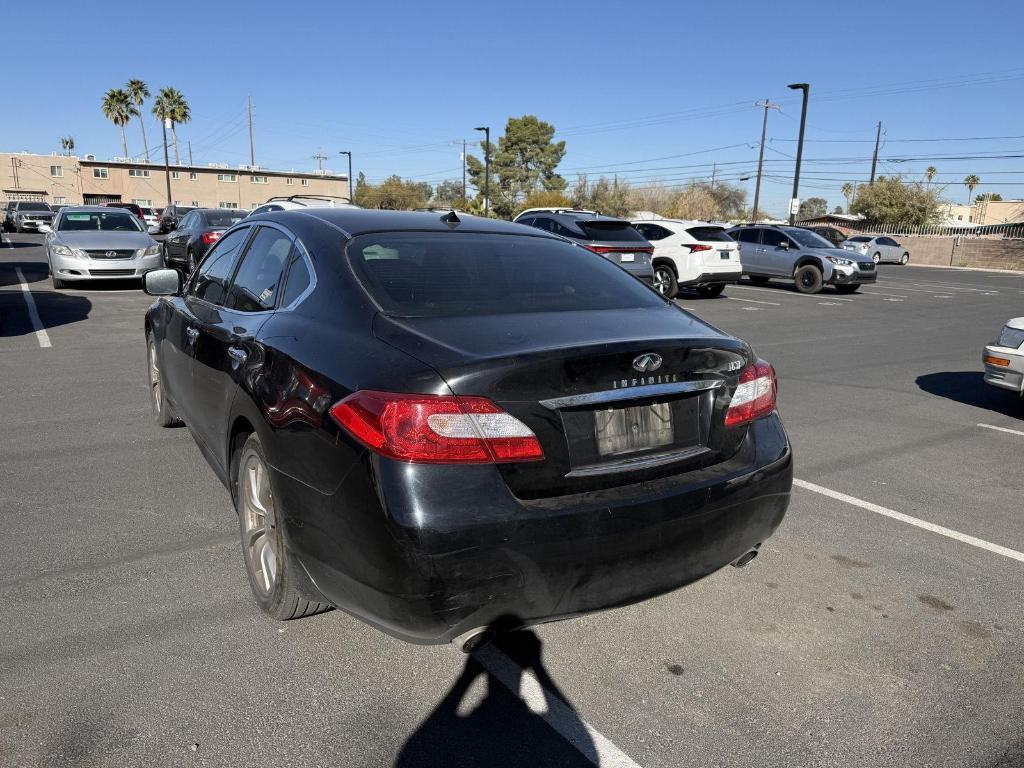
784, 245
45, 229
162, 282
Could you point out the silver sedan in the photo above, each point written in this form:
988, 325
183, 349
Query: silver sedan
98, 243
879, 248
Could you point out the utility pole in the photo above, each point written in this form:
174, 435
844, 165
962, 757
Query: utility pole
760, 155
799, 146
714, 171
167, 162
320, 157
190, 151
874, 157
351, 196
252, 151
463, 169
487, 168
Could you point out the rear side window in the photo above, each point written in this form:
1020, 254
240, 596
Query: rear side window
462, 274
298, 280
211, 280
610, 231
860, 239
259, 278
652, 231
715, 234
747, 235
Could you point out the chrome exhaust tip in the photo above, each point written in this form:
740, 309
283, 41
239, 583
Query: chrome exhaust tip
744, 559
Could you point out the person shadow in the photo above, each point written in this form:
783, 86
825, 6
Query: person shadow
516, 723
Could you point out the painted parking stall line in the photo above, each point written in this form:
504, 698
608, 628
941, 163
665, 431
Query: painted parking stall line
753, 301
41, 336
788, 294
1007, 430
553, 711
974, 541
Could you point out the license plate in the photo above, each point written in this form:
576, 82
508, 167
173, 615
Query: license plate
627, 257
627, 430
726, 254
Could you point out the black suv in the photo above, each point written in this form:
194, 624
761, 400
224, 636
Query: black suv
794, 253
171, 215
615, 239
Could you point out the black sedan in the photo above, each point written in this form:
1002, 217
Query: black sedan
185, 246
448, 426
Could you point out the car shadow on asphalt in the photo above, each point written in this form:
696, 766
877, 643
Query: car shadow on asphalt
969, 388
30, 270
501, 730
8, 242
54, 309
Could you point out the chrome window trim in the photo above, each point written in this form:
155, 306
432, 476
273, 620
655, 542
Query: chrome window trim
631, 393
300, 247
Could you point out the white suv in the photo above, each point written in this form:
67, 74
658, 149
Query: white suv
691, 254
294, 202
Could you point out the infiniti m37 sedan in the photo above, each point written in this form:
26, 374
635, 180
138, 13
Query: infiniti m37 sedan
449, 426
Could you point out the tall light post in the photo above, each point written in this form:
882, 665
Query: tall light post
799, 145
351, 193
167, 162
487, 168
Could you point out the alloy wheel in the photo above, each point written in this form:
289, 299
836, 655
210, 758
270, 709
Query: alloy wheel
259, 523
661, 280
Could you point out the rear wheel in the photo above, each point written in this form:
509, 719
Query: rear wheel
847, 288
711, 291
904, 258
808, 279
162, 411
665, 281
279, 584
757, 279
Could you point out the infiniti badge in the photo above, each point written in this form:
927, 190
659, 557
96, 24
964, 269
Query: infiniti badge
647, 362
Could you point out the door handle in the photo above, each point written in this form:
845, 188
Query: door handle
192, 333
238, 356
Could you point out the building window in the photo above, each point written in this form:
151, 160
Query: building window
227, 177
195, 203
140, 173
258, 179
305, 182
60, 201
289, 181
143, 203
57, 171
175, 175
100, 173
228, 205
192, 176
178, 202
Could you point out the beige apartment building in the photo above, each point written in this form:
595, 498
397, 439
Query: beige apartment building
63, 180
985, 212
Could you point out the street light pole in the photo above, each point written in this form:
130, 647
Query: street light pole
351, 195
806, 88
760, 155
487, 168
167, 163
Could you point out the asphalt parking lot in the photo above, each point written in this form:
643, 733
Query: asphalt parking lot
882, 625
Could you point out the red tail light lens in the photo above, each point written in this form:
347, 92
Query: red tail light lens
611, 249
436, 429
210, 237
699, 247
754, 396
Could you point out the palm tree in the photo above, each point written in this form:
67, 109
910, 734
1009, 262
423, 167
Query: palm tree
848, 194
138, 92
119, 109
67, 143
170, 105
971, 182
929, 173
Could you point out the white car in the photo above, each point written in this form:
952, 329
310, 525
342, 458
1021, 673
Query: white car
1004, 358
152, 219
691, 254
295, 202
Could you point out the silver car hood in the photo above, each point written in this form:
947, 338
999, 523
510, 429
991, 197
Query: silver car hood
94, 241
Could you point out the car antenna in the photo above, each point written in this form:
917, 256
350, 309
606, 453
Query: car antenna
451, 219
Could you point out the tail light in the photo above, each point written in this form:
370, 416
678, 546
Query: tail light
754, 396
210, 237
436, 429
602, 249
694, 247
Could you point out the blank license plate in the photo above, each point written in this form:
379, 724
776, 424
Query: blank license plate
726, 254
624, 257
626, 430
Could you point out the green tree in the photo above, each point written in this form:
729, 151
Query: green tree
838, 210
67, 143
848, 190
890, 200
118, 108
170, 104
929, 173
971, 181
988, 196
523, 161
812, 207
610, 197
449, 192
138, 92
393, 194
546, 198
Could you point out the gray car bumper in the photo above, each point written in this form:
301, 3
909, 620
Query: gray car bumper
73, 269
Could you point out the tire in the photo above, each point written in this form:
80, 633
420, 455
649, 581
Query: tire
877, 258
710, 291
808, 279
904, 258
847, 288
163, 414
279, 584
758, 280
57, 283
665, 281
190, 262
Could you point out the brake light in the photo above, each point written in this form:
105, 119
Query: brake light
610, 249
210, 237
754, 396
436, 429
694, 247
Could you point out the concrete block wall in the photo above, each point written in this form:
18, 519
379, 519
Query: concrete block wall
982, 253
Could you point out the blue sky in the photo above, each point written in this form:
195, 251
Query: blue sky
649, 90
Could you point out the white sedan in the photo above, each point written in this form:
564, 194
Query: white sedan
691, 254
1004, 359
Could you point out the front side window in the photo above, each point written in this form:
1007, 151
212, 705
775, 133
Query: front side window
103, 221
258, 280
809, 239
772, 238
211, 280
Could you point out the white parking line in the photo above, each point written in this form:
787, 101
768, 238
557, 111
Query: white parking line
880, 293
553, 711
753, 301
1002, 429
787, 293
33, 313
939, 529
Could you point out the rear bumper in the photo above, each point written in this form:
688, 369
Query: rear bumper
1009, 377
449, 549
713, 277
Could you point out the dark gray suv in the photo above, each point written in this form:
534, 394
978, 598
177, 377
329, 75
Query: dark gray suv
615, 239
794, 253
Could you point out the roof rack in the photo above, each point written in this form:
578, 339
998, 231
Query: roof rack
340, 198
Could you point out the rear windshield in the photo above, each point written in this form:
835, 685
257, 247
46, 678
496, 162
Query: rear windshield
860, 239
33, 207
225, 218
611, 231
716, 234
459, 274
105, 221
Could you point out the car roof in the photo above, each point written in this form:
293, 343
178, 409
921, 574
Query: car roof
684, 222
357, 221
87, 208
